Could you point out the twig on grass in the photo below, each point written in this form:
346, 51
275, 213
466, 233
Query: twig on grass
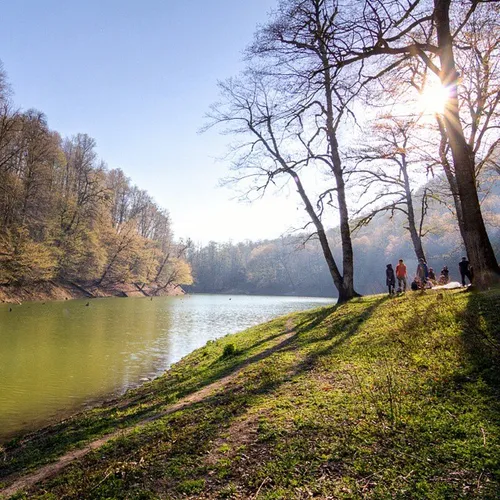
260, 487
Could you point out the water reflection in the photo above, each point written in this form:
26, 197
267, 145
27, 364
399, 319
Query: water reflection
55, 357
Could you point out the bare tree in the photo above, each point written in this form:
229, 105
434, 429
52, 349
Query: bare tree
385, 172
381, 37
276, 150
293, 105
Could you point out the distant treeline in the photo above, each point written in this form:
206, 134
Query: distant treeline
64, 215
287, 266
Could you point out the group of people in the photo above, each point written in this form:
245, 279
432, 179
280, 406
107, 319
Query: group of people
425, 277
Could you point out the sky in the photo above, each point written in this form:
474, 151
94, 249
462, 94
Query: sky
138, 77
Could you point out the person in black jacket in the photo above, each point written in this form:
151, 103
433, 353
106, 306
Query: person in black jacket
465, 270
390, 278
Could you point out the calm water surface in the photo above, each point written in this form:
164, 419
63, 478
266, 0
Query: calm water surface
57, 357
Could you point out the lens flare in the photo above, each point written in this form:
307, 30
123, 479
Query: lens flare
434, 98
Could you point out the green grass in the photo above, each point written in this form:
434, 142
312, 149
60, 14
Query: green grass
378, 398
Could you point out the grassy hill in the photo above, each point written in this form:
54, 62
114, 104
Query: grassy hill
379, 398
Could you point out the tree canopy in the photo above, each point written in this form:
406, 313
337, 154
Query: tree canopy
65, 215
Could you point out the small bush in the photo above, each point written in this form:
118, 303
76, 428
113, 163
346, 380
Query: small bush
229, 350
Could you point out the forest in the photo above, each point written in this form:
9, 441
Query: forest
66, 216
383, 118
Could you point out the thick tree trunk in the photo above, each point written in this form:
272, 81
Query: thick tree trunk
477, 244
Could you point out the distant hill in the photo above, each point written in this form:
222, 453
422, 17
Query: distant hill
290, 267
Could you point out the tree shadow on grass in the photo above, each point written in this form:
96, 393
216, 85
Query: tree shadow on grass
481, 346
472, 392
221, 368
481, 335
339, 331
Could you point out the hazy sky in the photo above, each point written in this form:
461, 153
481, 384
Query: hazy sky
138, 77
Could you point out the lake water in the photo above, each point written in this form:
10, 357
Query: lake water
58, 357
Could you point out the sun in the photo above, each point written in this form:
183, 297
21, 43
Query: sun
433, 99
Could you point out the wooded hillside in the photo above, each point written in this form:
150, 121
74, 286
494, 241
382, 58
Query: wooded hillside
65, 215
291, 265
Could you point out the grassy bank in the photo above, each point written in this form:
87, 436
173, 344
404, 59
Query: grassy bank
379, 398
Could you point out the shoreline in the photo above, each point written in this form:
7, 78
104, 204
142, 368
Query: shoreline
68, 290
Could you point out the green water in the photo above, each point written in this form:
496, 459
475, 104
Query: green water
59, 357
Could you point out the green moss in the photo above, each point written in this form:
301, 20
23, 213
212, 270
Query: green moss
191, 486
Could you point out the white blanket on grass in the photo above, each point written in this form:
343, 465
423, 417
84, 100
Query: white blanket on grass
449, 286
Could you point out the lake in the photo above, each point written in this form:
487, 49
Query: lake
59, 357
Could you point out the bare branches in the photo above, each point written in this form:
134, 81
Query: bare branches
384, 170
291, 106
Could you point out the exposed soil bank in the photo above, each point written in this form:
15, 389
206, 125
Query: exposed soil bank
65, 290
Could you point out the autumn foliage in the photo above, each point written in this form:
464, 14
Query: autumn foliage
65, 215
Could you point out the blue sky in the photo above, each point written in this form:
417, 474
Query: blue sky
138, 76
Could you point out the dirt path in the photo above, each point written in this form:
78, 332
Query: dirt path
52, 469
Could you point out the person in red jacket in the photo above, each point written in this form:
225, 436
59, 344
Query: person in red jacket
401, 275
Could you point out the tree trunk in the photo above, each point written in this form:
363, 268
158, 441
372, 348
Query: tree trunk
416, 240
345, 230
162, 266
412, 227
450, 176
345, 292
336, 163
477, 243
